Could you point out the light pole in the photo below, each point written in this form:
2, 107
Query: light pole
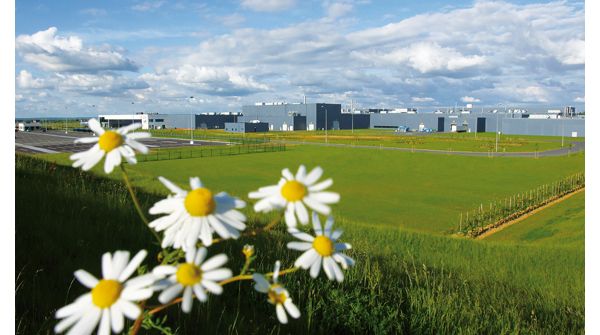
326, 139
67, 112
191, 126
562, 138
352, 111
498, 130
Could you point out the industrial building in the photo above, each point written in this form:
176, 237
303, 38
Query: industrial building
169, 121
246, 127
262, 117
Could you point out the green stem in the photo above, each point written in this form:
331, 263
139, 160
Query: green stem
136, 202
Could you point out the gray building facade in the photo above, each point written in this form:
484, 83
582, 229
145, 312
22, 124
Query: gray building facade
286, 117
246, 127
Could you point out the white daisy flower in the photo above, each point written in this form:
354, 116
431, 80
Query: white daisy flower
294, 193
321, 249
192, 277
277, 295
113, 144
110, 299
196, 214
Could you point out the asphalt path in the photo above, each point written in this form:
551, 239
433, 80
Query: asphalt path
56, 141
577, 146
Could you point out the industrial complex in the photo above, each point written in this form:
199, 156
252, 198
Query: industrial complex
263, 117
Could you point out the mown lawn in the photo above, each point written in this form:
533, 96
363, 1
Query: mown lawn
482, 142
422, 192
562, 224
404, 282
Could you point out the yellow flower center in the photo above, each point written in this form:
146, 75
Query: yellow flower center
323, 246
106, 293
188, 274
200, 202
276, 294
293, 190
110, 140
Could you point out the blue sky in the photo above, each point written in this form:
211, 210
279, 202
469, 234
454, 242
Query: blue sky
92, 57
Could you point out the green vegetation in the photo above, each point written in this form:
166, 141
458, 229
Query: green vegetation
423, 192
563, 224
479, 221
404, 282
482, 142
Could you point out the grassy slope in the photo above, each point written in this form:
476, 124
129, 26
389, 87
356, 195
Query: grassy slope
403, 282
562, 224
423, 192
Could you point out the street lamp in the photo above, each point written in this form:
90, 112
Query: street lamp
67, 113
326, 139
191, 126
497, 130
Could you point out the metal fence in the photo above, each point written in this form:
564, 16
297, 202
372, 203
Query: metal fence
215, 151
198, 136
476, 222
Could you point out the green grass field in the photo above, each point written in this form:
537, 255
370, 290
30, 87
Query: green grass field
421, 192
404, 281
481, 142
562, 224
397, 210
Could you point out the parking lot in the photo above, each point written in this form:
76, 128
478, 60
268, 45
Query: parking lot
36, 142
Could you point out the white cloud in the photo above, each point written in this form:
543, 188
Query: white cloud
338, 9
422, 99
148, 6
51, 52
26, 80
469, 99
268, 5
94, 11
209, 80
579, 99
425, 57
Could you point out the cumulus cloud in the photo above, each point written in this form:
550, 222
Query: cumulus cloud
26, 80
51, 52
209, 80
469, 99
470, 54
268, 5
424, 57
422, 99
98, 84
579, 99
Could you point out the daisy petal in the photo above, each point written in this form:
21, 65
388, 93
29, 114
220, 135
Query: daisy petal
313, 176
95, 126
129, 309
281, 316
301, 246
133, 265
200, 293
186, 305
291, 308
104, 328
212, 287
262, 285
218, 274
86, 279
316, 265
214, 262
116, 318
170, 293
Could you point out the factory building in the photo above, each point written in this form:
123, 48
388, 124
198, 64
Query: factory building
246, 127
289, 117
169, 121
321, 116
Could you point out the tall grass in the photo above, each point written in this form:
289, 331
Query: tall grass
403, 282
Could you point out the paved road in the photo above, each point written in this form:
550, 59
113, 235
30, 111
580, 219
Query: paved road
577, 146
56, 141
